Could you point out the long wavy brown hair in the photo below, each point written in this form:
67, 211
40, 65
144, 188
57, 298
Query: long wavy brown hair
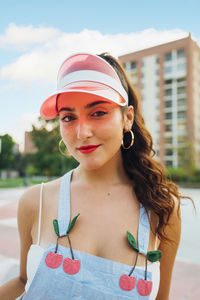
151, 186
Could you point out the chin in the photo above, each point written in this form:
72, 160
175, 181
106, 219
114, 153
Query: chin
91, 164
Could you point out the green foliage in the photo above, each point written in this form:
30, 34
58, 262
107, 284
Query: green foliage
183, 175
48, 160
22, 162
177, 174
31, 170
11, 182
186, 155
7, 154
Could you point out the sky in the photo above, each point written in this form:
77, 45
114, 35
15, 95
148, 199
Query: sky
36, 37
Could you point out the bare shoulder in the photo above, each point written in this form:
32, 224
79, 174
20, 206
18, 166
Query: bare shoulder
29, 202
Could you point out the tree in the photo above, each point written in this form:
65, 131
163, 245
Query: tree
6, 154
21, 162
48, 160
186, 157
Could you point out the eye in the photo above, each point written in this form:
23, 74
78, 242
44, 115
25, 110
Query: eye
99, 113
67, 118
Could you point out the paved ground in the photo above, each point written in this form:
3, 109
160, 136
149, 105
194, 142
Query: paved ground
186, 276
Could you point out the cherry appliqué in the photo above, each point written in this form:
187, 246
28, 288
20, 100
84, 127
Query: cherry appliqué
71, 265
54, 260
127, 282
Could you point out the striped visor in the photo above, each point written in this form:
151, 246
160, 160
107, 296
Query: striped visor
85, 73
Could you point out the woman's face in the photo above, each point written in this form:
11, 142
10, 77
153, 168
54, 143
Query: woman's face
90, 120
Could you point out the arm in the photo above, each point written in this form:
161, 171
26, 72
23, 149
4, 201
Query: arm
25, 217
169, 250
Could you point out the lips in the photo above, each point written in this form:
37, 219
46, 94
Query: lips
88, 147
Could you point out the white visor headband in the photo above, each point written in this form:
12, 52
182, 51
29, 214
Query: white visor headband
85, 73
93, 76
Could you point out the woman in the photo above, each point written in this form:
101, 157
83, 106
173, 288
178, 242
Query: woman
99, 231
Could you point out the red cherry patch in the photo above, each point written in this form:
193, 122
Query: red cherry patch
53, 260
71, 266
127, 283
144, 287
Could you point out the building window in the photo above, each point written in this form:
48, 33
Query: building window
168, 152
181, 67
180, 53
157, 60
157, 71
168, 116
168, 81
168, 128
168, 103
168, 56
181, 90
168, 69
181, 114
168, 140
169, 163
181, 101
133, 65
168, 92
181, 126
181, 139
180, 80
133, 74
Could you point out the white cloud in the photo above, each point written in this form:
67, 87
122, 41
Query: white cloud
24, 37
33, 66
41, 63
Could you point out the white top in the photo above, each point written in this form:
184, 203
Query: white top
36, 252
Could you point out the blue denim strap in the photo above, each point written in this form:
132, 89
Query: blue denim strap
143, 231
64, 203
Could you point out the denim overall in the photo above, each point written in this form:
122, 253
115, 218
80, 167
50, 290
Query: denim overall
98, 278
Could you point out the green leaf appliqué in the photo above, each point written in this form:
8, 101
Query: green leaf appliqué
56, 228
132, 241
154, 255
71, 225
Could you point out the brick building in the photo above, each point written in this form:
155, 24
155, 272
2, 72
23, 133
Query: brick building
167, 80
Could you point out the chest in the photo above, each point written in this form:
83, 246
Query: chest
100, 230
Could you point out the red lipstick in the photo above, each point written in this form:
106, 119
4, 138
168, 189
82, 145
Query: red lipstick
88, 149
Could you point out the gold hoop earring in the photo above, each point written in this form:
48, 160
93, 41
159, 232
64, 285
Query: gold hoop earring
132, 140
63, 153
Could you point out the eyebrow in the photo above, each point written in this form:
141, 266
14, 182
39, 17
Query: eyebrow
87, 106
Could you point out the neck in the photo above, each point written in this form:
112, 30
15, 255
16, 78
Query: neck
110, 174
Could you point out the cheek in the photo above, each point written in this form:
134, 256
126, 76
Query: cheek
67, 133
111, 129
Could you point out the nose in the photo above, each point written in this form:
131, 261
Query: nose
84, 130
